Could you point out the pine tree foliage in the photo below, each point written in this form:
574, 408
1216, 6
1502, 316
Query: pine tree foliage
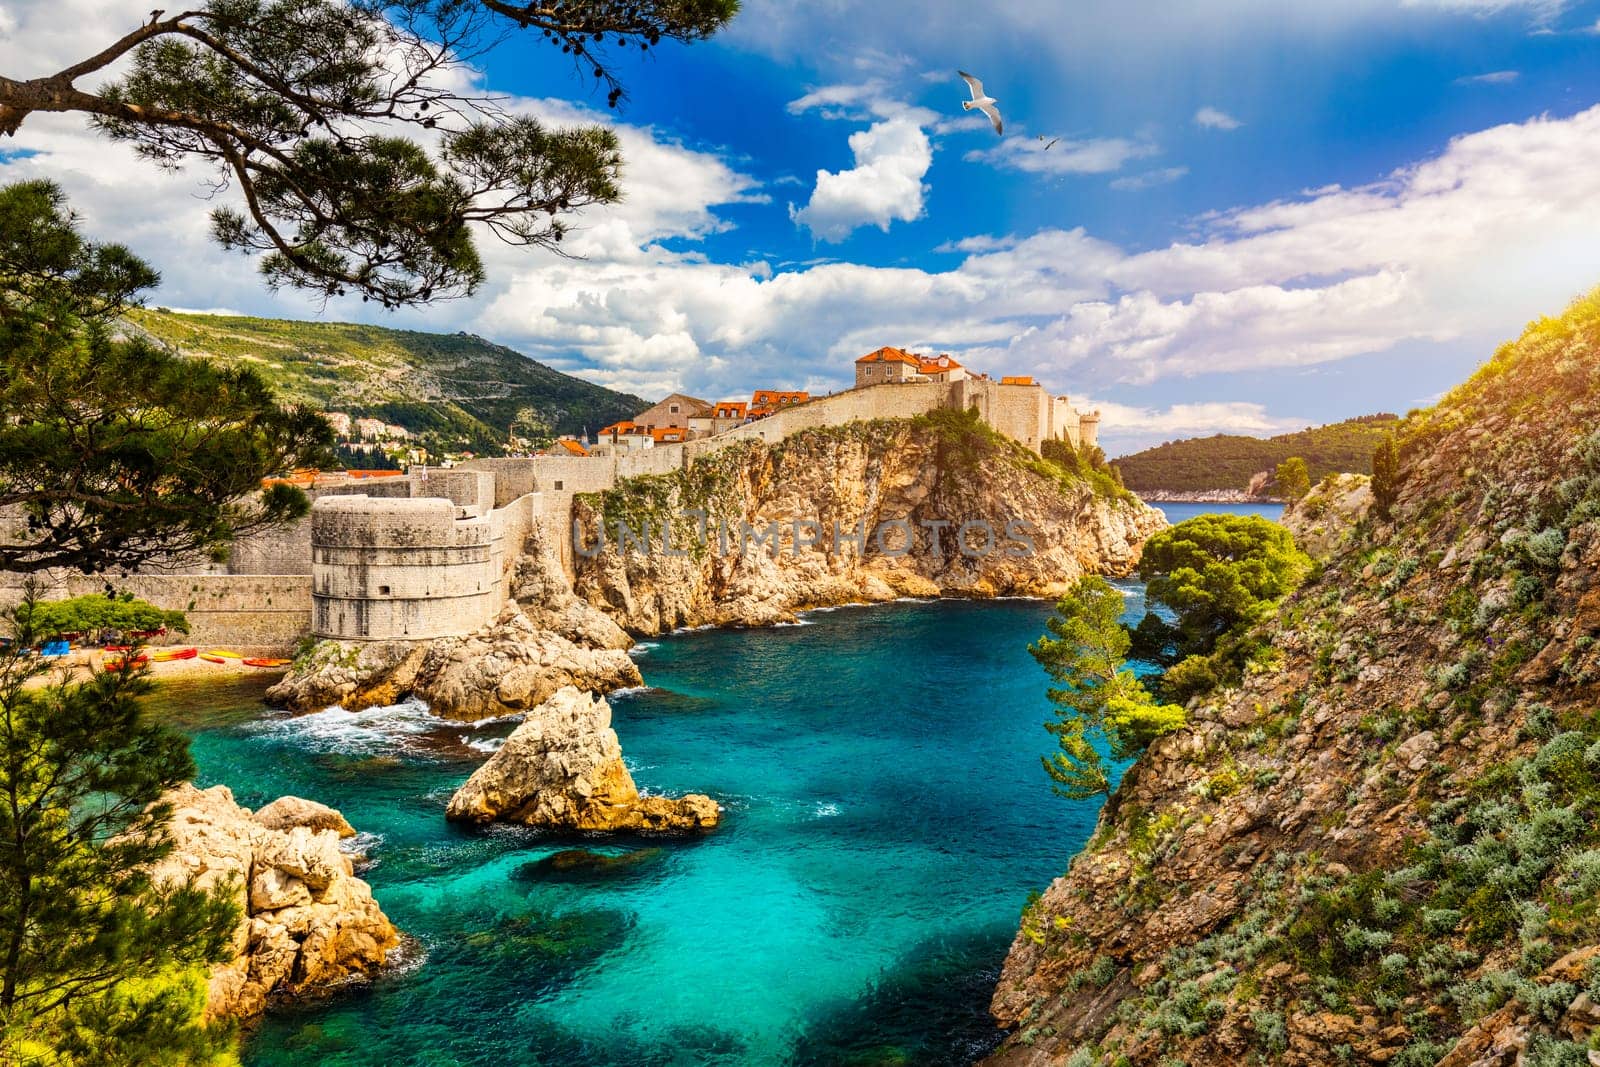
113, 452
99, 964
359, 163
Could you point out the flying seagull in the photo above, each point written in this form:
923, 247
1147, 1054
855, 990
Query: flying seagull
1053, 140
985, 104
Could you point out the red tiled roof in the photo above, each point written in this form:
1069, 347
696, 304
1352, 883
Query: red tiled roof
1017, 379
768, 398
735, 406
937, 364
670, 433
572, 446
888, 355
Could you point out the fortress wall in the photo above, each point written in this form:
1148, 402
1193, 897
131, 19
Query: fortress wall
1021, 412
280, 550
513, 476
662, 459
388, 569
891, 401
263, 613
572, 474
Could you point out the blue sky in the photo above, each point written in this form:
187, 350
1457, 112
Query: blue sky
1257, 215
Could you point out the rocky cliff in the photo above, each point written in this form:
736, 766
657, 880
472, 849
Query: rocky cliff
306, 922
562, 769
937, 505
507, 667
1384, 846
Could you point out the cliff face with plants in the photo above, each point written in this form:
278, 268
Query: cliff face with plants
1384, 845
1032, 526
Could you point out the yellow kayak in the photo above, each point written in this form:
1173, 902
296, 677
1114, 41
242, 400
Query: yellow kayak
217, 655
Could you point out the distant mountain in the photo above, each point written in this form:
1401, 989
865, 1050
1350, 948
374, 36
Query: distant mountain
1225, 462
453, 391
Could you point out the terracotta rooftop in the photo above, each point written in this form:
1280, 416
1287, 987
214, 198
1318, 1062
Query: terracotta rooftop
889, 355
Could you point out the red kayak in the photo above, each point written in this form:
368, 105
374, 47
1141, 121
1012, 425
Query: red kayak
167, 655
117, 664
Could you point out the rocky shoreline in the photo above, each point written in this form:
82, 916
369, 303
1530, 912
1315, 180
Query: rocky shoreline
1205, 496
306, 923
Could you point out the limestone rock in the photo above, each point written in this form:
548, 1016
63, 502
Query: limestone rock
562, 769
1321, 520
502, 669
285, 813
889, 477
306, 922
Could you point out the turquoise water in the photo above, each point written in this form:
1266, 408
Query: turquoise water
1177, 512
886, 818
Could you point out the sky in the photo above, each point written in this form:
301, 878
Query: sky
1247, 216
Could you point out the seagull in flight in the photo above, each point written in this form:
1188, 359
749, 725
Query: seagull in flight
985, 104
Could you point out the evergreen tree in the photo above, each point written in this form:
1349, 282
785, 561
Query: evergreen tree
1294, 479
98, 963
360, 165
112, 451
1385, 475
1217, 575
1100, 703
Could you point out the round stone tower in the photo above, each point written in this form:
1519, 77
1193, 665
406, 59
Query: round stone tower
400, 569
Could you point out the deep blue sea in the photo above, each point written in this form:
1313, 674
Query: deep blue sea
885, 819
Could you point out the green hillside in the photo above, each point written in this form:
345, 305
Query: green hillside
1228, 461
454, 391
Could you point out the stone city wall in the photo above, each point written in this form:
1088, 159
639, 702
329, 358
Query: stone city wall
263, 614
385, 569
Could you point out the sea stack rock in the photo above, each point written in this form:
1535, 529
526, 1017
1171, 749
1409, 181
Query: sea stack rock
562, 770
306, 922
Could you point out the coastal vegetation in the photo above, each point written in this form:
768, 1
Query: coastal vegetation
1377, 844
97, 612
1211, 580
112, 452
98, 963
450, 392
1231, 461
1100, 701
1293, 478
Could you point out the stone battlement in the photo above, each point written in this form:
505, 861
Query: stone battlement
430, 553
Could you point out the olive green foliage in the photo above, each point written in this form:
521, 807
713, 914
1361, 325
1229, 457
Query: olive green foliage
98, 963
1100, 703
361, 163
1219, 575
1294, 480
1227, 461
1087, 462
452, 392
113, 451
1385, 475
98, 611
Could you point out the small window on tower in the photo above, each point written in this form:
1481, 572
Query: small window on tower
558, 486
383, 590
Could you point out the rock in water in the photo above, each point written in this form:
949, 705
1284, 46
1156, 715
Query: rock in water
507, 666
562, 770
307, 922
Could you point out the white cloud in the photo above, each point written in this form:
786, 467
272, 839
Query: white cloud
1463, 247
884, 186
1541, 9
1210, 118
1128, 428
1095, 156
1494, 77
1149, 179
